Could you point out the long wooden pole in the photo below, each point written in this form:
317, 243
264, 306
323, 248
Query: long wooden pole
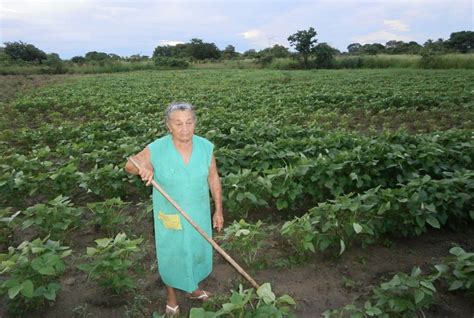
204, 234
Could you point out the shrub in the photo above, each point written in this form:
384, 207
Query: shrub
55, 218
32, 270
172, 62
245, 239
108, 215
247, 303
110, 262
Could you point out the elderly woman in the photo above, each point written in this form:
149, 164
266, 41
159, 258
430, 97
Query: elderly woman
184, 165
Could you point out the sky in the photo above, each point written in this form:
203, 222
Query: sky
125, 27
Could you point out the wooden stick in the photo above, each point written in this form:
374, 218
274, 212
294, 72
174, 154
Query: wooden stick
204, 234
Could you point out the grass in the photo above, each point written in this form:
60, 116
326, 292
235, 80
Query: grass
446, 61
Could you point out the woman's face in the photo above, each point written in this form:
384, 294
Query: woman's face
181, 125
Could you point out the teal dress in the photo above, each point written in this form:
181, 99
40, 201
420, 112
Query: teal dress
184, 256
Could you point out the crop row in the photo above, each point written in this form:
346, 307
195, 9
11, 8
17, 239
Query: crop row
286, 171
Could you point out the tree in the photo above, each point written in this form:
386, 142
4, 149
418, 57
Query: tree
373, 49
304, 42
96, 56
200, 50
24, 51
163, 51
462, 41
250, 54
324, 55
78, 59
438, 46
229, 52
354, 48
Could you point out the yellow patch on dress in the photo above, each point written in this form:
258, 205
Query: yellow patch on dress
170, 221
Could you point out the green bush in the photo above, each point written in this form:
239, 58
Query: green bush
55, 218
109, 215
110, 262
459, 270
7, 222
32, 273
248, 303
403, 296
171, 62
245, 239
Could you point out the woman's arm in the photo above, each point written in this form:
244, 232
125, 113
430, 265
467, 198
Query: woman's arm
216, 191
143, 158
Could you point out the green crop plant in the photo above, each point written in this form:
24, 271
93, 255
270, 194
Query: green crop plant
109, 215
8, 221
459, 270
55, 218
250, 303
32, 272
300, 235
245, 239
110, 261
403, 296
408, 211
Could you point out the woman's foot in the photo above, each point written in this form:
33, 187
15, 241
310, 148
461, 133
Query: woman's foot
199, 294
171, 311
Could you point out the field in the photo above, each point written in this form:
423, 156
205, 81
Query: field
340, 187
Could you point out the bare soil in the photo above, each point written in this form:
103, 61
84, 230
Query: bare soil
317, 285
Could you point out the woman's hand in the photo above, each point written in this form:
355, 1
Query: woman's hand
218, 221
143, 166
146, 174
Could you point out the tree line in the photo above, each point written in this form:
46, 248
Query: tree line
309, 52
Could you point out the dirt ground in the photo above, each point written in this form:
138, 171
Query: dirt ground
317, 285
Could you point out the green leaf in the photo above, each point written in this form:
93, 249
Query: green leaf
442, 268
13, 291
357, 227
41, 265
90, 251
265, 292
456, 285
251, 197
471, 214
51, 291
103, 242
286, 299
433, 222
281, 204
457, 251
419, 295
27, 289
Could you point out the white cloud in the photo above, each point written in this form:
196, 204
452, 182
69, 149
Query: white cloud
167, 42
252, 34
382, 36
396, 25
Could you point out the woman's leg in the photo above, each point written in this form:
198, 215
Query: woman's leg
172, 298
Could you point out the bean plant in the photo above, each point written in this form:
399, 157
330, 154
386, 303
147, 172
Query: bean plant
109, 215
459, 270
55, 218
403, 296
245, 239
32, 272
111, 261
250, 303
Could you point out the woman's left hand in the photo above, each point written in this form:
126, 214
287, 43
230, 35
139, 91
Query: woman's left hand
218, 221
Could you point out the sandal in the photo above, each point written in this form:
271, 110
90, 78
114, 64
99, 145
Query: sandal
171, 311
203, 296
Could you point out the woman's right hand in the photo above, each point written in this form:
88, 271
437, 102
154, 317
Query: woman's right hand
140, 165
146, 174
